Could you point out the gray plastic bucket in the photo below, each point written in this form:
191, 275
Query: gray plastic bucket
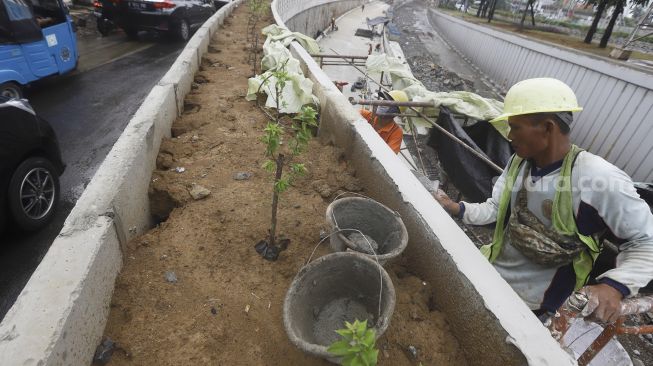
371, 218
335, 288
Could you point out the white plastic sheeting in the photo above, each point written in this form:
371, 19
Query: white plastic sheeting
297, 90
459, 102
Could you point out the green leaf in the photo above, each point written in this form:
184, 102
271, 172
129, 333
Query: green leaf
360, 328
281, 185
357, 361
371, 356
340, 348
298, 168
368, 339
269, 166
350, 326
347, 360
347, 334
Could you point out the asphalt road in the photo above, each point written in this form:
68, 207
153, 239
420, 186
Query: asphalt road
88, 111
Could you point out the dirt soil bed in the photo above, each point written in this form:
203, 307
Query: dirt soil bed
193, 290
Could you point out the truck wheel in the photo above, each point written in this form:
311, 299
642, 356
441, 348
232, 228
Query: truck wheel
33, 193
103, 28
11, 90
182, 31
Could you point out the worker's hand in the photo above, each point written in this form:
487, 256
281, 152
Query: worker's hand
452, 207
604, 302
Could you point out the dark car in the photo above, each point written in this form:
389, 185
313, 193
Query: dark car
30, 166
220, 3
177, 18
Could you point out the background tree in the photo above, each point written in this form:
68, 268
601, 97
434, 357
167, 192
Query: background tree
493, 6
618, 9
479, 12
600, 8
530, 4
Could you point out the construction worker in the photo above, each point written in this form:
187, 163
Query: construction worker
385, 125
554, 204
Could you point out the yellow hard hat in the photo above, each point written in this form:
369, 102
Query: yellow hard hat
539, 95
399, 96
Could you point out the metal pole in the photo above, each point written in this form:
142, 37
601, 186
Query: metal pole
440, 128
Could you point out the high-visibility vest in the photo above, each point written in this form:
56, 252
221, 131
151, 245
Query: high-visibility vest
562, 218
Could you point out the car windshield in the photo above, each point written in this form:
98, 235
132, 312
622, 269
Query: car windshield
17, 10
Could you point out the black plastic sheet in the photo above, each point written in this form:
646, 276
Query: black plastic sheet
473, 177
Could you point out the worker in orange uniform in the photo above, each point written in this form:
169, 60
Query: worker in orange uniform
385, 125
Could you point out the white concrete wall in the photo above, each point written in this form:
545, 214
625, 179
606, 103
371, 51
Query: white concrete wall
60, 315
309, 20
489, 320
617, 122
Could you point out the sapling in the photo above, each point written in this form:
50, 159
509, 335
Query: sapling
357, 347
258, 9
297, 133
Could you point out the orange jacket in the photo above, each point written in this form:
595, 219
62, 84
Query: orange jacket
390, 133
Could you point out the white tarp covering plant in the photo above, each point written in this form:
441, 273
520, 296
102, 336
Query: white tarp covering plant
297, 90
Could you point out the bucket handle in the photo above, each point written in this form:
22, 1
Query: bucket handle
339, 230
364, 196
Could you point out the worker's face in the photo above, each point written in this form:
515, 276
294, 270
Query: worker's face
528, 135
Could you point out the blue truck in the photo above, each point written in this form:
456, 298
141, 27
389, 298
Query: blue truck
37, 40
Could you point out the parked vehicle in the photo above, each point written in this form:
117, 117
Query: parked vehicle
37, 40
220, 3
177, 18
30, 166
105, 14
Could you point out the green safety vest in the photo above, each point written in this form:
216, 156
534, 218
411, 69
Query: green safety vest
562, 218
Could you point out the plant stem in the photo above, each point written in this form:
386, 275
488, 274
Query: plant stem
275, 201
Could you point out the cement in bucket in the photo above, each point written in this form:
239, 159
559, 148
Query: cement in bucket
353, 214
333, 289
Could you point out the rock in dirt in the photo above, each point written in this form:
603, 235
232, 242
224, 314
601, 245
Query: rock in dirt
322, 188
201, 79
413, 351
104, 351
164, 161
242, 175
180, 169
361, 243
177, 131
198, 192
171, 276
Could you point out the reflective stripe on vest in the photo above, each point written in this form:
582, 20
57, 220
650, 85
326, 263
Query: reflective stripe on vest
562, 217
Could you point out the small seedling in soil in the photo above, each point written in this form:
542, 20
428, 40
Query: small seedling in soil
297, 131
357, 346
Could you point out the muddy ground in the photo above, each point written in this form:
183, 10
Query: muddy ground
193, 290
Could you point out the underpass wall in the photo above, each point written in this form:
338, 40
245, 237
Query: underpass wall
59, 317
616, 122
308, 17
491, 323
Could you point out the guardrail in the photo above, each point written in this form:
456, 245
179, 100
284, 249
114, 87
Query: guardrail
59, 317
